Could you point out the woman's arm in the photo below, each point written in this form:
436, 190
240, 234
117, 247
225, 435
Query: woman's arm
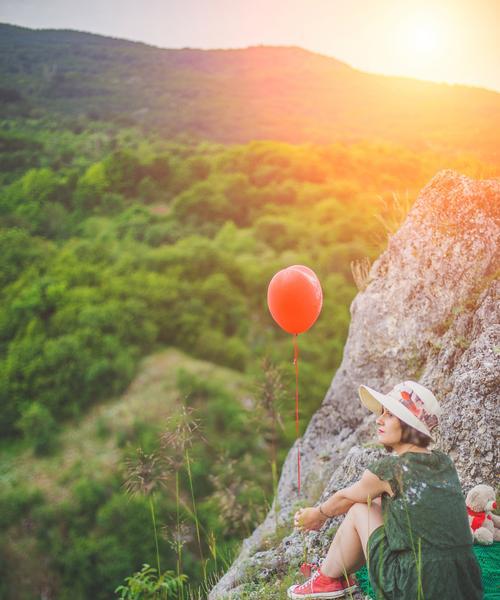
367, 489
337, 504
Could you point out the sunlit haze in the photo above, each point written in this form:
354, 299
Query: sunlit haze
453, 41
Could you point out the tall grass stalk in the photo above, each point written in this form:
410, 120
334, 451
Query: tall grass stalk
367, 545
178, 540
145, 473
269, 394
360, 270
346, 576
304, 553
202, 591
395, 212
156, 534
344, 571
420, 591
274, 470
212, 545
179, 435
418, 559
188, 463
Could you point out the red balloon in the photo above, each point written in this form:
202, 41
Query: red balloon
295, 298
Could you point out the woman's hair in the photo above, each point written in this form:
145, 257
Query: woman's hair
410, 435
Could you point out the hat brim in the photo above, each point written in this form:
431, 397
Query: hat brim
374, 401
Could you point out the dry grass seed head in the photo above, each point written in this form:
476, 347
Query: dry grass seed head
228, 485
177, 534
181, 430
145, 472
269, 393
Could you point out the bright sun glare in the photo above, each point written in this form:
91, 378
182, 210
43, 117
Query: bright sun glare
424, 37
424, 34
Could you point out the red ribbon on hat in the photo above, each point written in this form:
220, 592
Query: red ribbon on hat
415, 405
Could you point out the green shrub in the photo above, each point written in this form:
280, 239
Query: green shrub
16, 502
102, 428
145, 584
140, 433
228, 351
38, 425
89, 494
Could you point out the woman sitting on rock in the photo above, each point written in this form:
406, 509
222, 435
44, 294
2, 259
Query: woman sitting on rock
406, 517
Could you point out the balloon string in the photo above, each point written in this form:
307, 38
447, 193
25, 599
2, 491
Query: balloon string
296, 363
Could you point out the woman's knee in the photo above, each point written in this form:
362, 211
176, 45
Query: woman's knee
360, 509
355, 511
357, 507
365, 520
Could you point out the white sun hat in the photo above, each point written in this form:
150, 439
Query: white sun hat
409, 401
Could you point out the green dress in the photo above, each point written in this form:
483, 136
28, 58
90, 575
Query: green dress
423, 551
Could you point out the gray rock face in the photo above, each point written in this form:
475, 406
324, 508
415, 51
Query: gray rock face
431, 313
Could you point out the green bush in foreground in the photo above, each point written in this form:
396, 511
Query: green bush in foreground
146, 584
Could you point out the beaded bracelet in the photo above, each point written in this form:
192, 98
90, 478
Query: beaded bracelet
324, 514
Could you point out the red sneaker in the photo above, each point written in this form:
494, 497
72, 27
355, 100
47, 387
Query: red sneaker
320, 586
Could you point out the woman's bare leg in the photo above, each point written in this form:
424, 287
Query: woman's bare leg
347, 552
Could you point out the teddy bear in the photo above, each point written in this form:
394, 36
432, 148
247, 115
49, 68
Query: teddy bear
485, 526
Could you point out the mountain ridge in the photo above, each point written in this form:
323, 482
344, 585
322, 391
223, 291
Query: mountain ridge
235, 95
89, 34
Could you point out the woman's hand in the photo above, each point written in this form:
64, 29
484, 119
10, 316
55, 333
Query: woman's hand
309, 519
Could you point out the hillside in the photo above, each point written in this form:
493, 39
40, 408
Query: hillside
45, 500
91, 446
237, 95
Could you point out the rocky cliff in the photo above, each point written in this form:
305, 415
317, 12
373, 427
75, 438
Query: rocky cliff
429, 312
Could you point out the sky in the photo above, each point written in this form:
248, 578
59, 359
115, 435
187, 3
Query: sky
452, 41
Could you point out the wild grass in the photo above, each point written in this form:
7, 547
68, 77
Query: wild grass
144, 475
175, 442
360, 270
148, 472
270, 393
392, 213
90, 452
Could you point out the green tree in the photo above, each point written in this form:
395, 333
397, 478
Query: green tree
91, 187
123, 172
